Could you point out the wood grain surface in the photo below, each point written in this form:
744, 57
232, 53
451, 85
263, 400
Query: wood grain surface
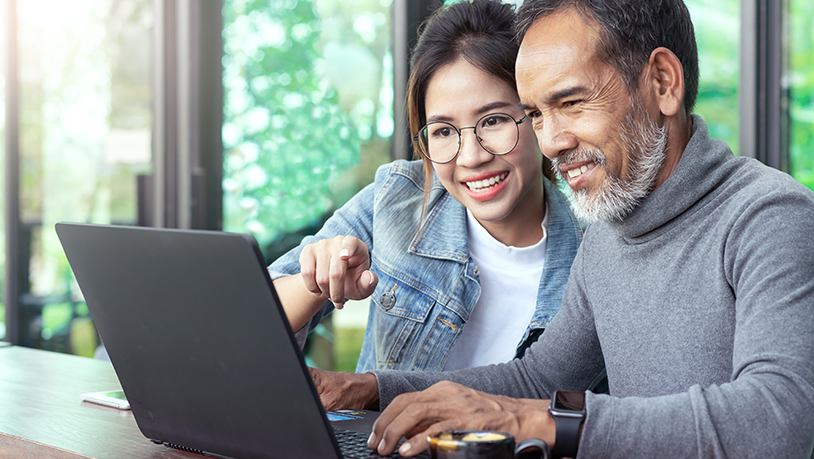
42, 415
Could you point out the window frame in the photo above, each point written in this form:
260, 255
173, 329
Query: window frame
763, 95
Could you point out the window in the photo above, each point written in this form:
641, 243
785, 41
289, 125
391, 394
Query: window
3, 157
717, 31
84, 135
800, 27
308, 112
308, 117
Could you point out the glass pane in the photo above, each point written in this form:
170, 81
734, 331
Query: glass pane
308, 111
308, 117
85, 134
717, 31
2, 161
801, 50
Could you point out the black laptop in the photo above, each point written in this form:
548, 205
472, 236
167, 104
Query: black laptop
201, 346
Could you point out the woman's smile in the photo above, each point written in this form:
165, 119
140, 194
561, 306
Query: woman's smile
485, 188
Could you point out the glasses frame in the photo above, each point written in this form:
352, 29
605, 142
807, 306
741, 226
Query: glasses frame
426, 154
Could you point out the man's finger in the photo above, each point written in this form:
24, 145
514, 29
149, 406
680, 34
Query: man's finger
415, 417
431, 397
388, 415
417, 440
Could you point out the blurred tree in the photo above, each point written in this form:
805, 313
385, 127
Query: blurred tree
801, 83
717, 30
286, 137
308, 117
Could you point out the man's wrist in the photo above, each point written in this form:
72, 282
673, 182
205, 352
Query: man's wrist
371, 388
537, 422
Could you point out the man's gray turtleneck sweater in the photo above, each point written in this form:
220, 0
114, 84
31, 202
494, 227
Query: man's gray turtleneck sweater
700, 306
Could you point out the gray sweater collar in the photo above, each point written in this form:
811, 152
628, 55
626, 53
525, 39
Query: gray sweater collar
698, 172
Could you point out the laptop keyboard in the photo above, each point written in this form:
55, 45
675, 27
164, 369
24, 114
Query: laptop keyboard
354, 445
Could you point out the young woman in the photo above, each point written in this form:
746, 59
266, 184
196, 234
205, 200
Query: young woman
465, 254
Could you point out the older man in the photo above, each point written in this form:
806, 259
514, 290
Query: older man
694, 286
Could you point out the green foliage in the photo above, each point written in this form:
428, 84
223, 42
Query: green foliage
55, 316
717, 31
285, 136
801, 47
348, 346
717, 28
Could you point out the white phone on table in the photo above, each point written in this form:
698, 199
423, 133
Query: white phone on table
114, 398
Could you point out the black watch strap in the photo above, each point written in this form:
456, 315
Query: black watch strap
567, 436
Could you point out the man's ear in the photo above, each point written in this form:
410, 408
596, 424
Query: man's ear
666, 77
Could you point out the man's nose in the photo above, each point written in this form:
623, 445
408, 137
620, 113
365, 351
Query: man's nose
554, 137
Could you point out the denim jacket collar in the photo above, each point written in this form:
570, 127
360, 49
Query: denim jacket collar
442, 236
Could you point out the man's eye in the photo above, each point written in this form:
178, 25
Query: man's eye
571, 103
535, 114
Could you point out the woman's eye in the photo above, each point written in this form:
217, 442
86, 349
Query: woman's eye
493, 121
442, 132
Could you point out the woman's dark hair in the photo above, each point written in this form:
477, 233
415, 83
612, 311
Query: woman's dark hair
482, 33
629, 32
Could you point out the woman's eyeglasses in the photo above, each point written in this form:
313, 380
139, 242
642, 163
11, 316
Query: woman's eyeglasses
497, 133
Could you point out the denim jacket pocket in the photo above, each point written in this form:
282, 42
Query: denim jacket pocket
400, 311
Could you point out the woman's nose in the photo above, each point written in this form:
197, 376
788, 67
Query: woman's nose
472, 152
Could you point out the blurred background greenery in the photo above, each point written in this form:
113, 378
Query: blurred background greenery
307, 101
800, 83
308, 117
717, 31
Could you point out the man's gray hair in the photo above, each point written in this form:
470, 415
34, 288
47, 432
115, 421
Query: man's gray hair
629, 32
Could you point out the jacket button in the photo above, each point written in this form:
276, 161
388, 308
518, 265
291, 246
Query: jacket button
388, 300
475, 271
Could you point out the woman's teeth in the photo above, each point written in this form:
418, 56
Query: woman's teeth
482, 185
577, 172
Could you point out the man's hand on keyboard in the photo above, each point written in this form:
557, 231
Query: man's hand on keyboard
451, 406
346, 391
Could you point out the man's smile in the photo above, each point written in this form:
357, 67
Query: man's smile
577, 173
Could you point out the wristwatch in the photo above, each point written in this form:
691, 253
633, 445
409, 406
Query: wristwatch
568, 410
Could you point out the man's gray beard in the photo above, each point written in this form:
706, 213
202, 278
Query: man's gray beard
646, 145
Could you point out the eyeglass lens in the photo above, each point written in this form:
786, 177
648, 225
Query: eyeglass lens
497, 133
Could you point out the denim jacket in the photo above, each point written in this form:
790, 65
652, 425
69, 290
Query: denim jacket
428, 283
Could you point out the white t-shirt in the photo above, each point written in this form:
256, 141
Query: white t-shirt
509, 281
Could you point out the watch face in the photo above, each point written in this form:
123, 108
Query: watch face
567, 400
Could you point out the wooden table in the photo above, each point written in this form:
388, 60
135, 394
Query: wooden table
42, 416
